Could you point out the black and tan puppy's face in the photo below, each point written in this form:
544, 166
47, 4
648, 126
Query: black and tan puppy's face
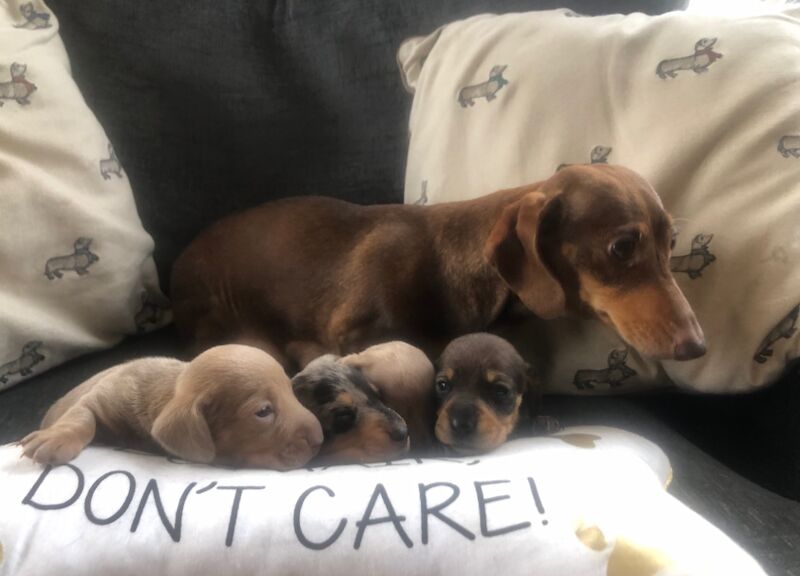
480, 383
357, 426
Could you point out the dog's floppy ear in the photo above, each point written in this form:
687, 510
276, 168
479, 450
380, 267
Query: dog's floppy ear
181, 429
357, 371
513, 249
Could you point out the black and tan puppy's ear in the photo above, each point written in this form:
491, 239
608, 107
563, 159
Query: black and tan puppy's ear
514, 250
181, 429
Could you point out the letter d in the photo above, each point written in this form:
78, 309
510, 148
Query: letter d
29, 501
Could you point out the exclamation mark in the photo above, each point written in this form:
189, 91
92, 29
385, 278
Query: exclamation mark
536, 499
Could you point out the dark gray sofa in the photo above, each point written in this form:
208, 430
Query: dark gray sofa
217, 106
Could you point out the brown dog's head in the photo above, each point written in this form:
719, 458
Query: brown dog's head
480, 384
597, 238
234, 405
357, 425
403, 377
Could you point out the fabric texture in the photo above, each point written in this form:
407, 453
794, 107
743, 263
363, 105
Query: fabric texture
77, 267
703, 107
528, 499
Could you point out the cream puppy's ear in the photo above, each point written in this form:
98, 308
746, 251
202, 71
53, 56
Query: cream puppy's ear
181, 429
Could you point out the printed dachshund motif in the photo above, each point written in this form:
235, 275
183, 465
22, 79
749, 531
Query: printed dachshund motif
614, 375
698, 258
598, 155
33, 20
78, 262
786, 253
789, 145
423, 197
468, 94
110, 165
698, 62
24, 363
19, 89
786, 328
572, 14
149, 314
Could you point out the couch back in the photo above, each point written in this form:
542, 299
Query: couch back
214, 106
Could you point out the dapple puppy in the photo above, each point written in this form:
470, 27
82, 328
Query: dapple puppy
403, 377
231, 405
357, 425
301, 277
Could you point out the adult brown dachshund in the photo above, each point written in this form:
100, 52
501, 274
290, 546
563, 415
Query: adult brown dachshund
300, 277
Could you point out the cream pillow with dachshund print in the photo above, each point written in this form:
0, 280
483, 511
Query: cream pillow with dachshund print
703, 107
77, 267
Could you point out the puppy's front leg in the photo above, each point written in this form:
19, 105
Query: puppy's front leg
63, 440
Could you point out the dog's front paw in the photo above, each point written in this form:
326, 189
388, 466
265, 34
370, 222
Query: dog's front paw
51, 446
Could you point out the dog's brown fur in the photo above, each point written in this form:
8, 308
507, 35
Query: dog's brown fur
303, 276
484, 389
231, 405
403, 377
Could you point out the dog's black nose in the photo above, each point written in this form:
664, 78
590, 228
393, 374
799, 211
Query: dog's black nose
399, 433
689, 349
463, 419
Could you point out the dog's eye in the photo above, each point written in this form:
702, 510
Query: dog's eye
623, 248
343, 420
500, 392
264, 411
443, 386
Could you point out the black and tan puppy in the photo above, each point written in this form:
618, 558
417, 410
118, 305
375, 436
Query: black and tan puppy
484, 389
356, 425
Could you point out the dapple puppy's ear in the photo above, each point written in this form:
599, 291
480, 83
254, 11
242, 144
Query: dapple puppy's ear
181, 429
360, 369
363, 363
513, 249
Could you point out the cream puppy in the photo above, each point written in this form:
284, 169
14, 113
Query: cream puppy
231, 405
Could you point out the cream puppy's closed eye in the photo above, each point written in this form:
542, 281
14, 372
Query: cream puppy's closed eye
231, 405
